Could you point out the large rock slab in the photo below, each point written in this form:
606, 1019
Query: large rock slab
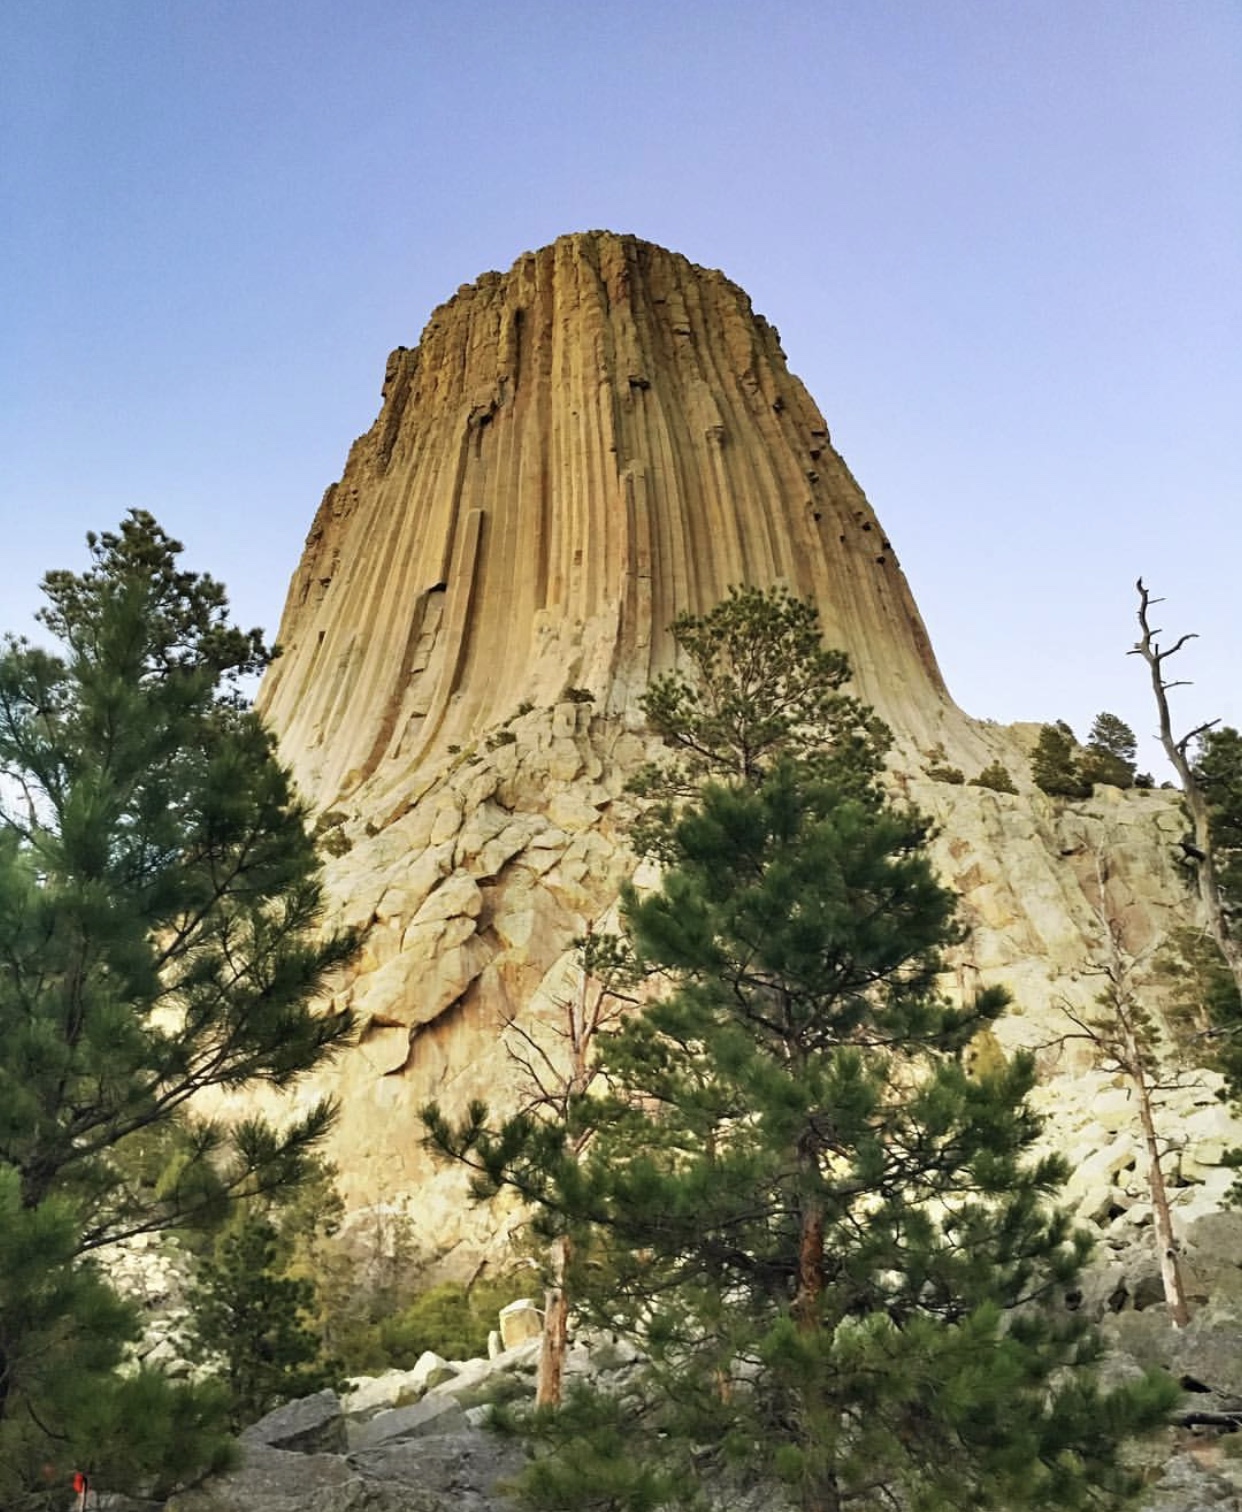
433, 1414
310, 1425
278, 1480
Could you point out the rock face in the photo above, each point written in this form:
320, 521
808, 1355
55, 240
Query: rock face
576, 452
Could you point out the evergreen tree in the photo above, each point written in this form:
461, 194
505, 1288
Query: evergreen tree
1218, 773
758, 685
252, 1322
826, 1236
995, 776
159, 908
1202, 845
1205, 1007
830, 1241
1218, 770
1054, 764
63, 1331
1110, 752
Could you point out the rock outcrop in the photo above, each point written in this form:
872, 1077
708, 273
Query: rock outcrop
417, 1440
576, 452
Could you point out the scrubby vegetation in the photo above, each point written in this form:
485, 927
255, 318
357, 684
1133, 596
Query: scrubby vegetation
995, 776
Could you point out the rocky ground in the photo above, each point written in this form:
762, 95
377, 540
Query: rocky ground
417, 1440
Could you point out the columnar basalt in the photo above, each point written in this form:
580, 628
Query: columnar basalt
575, 453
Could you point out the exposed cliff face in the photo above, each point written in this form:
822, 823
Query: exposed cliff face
576, 452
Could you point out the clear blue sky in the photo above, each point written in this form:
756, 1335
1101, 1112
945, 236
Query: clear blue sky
1002, 240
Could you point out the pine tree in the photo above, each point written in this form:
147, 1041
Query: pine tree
826, 1236
758, 685
1110, 752
1201, 844
833, 1245
159, 913
1218, 771
996, 777
1129, 1042
1055, 766
252, 1322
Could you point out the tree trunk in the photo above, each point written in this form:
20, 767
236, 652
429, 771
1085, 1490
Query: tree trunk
548, 1382
822, 1496
810, 1267
1205, 873
1162, 1223
1176, 751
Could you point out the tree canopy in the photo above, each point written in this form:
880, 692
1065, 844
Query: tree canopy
1218, 770
1110, 752
1055, 766
834, 1246
160, 913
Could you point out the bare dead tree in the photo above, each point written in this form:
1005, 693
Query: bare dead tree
1178, 752
1127, 1040
558, 1070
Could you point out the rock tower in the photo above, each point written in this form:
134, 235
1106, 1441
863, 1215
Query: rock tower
576, 452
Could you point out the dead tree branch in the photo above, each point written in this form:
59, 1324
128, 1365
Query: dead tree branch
1178, 752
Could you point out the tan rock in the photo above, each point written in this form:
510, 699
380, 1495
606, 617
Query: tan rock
520, 1321
457, 896
525, 518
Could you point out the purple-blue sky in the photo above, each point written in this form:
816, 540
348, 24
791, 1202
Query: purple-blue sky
1002, 242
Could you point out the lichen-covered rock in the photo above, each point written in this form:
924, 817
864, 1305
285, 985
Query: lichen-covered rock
520, 1321
433, 1414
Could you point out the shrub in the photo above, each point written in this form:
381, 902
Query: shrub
253, 1324
452, 1319
996, 777
938, 768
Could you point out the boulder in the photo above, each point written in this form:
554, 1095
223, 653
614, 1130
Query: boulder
311, 1425
453, 1472
434, 1414
276, 1480
395, 1388
429, 1370
520, 1321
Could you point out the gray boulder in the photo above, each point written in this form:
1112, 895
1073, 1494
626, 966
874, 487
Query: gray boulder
276, 1480
1189, 1486
311, 1425
433, 1415
451, 1472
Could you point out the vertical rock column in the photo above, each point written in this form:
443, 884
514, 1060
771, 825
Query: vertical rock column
576, 452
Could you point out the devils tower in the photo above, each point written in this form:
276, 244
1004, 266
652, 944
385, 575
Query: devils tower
576, 452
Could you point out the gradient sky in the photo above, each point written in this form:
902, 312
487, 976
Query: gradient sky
1002, 241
